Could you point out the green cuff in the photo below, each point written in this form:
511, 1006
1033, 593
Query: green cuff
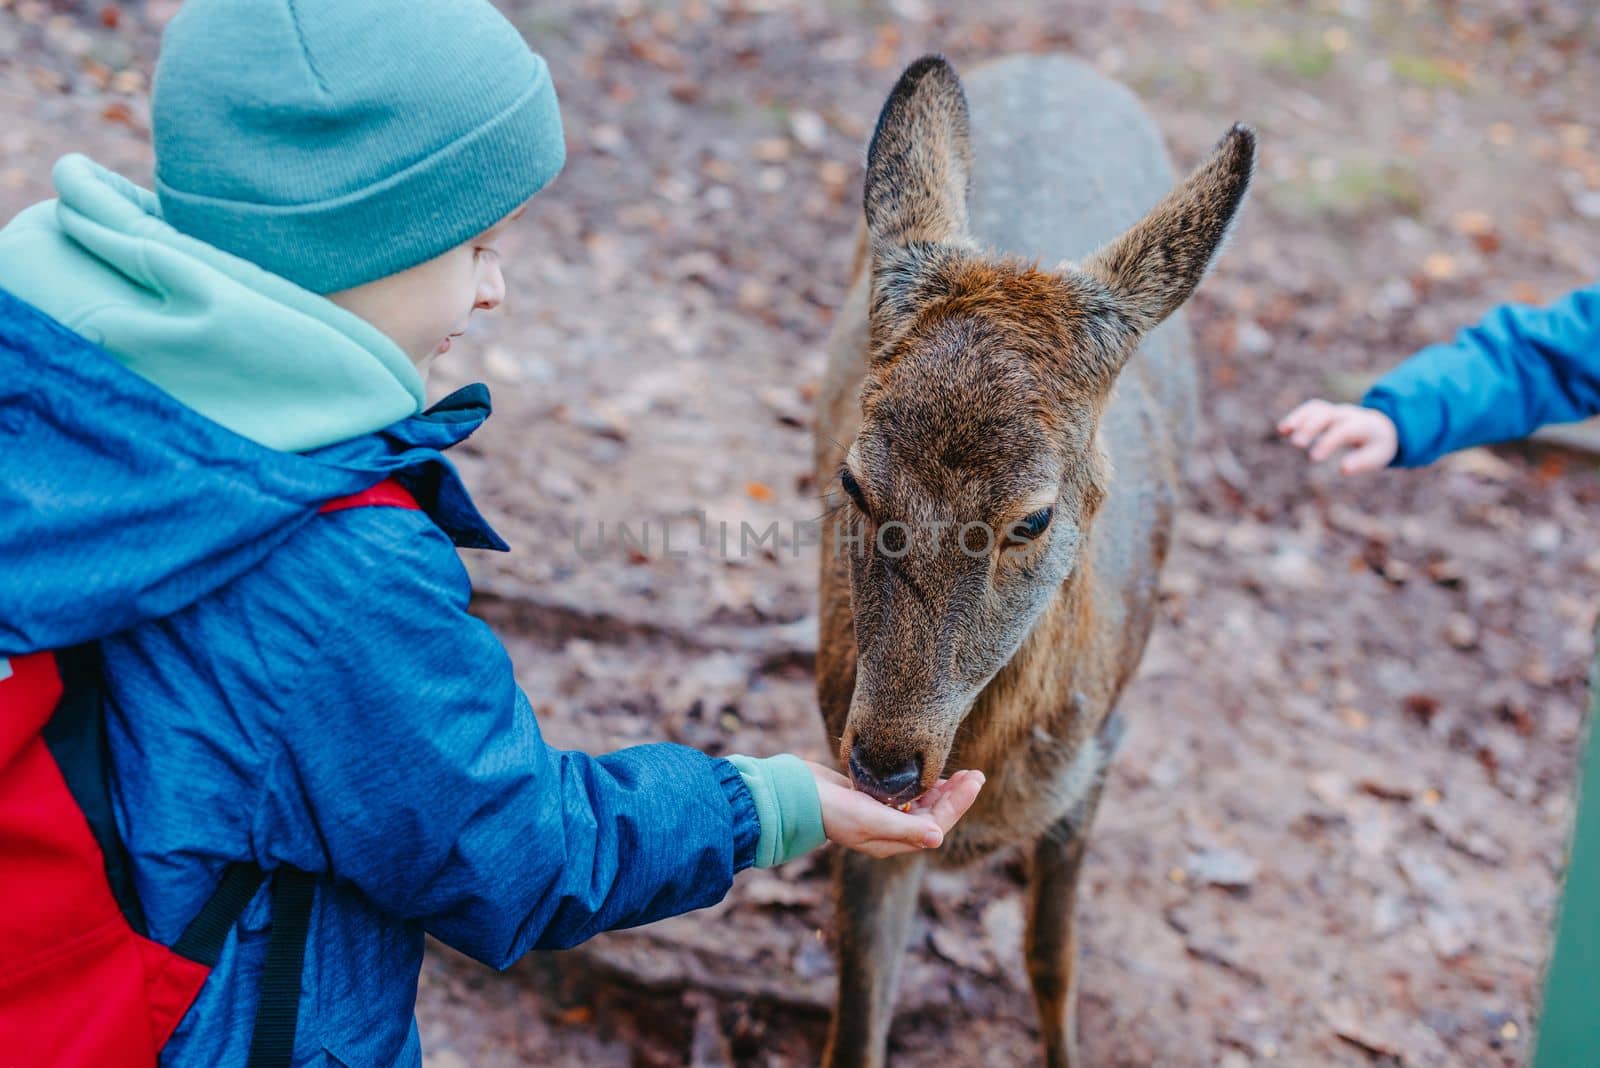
785, 793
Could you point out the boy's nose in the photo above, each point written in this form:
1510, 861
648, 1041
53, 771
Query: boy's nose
492, 290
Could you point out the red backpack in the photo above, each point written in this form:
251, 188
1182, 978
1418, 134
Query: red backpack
81, 986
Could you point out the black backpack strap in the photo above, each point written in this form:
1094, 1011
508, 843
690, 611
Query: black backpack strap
202, 940
278, 1011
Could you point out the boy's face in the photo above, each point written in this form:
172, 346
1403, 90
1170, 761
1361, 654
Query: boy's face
424, 308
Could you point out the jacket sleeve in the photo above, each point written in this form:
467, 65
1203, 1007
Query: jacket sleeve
1501, 379
410, 764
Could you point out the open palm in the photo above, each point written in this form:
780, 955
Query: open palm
866, 825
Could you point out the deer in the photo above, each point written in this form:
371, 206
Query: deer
1008, 398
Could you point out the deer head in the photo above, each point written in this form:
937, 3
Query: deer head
977, 470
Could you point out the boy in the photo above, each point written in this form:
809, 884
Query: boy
306, 691
1500, 380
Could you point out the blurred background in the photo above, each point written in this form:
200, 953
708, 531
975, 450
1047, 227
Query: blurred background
1334, 833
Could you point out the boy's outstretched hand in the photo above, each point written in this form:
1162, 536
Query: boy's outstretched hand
1325, 428
857, 821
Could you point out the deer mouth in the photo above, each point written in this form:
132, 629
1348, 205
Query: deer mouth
884, 775
895, 762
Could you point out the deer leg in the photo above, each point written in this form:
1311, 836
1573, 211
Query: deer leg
1052, 947
1052, 936
875, 901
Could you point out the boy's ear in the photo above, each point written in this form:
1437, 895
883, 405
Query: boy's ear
920, 160
1154, 267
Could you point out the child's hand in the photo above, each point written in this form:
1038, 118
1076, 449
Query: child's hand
1326, 428
857, 821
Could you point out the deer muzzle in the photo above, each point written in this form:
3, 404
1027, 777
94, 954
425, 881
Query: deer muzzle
897, 756
895, 781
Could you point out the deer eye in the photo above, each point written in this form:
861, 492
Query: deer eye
1032, 526
853, 488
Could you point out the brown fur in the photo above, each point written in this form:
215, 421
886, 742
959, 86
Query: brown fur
967, 387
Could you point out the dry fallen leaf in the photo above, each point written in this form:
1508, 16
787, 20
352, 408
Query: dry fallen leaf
1364, 1030
771, 891
1474, 223
118, 112
1440, 267
1227, 868
1574, 135
1460, 630
884, 48
961, 949
1396, 787
1354, 718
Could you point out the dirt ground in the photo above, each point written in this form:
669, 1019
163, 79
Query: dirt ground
1334, 833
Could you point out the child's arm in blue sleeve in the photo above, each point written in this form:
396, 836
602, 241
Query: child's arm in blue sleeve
1500, 380
411, 765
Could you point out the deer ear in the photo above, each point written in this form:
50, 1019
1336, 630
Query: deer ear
1154, 267
920, 159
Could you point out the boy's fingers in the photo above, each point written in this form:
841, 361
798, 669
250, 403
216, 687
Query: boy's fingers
1344, 432
955, 798
1287, 423
857, 821
1370, 457
1312, 426
882, 823
1293, 420
925, 801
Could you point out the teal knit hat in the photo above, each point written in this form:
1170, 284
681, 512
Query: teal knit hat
334, 142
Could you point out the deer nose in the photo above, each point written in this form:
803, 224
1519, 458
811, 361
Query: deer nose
889, 784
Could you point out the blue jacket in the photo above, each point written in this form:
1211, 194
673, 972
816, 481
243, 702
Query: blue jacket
1519, 368
309, 690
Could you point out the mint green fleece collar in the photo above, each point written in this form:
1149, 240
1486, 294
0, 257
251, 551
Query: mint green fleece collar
270, 361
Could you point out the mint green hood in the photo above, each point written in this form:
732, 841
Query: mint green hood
254, 352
